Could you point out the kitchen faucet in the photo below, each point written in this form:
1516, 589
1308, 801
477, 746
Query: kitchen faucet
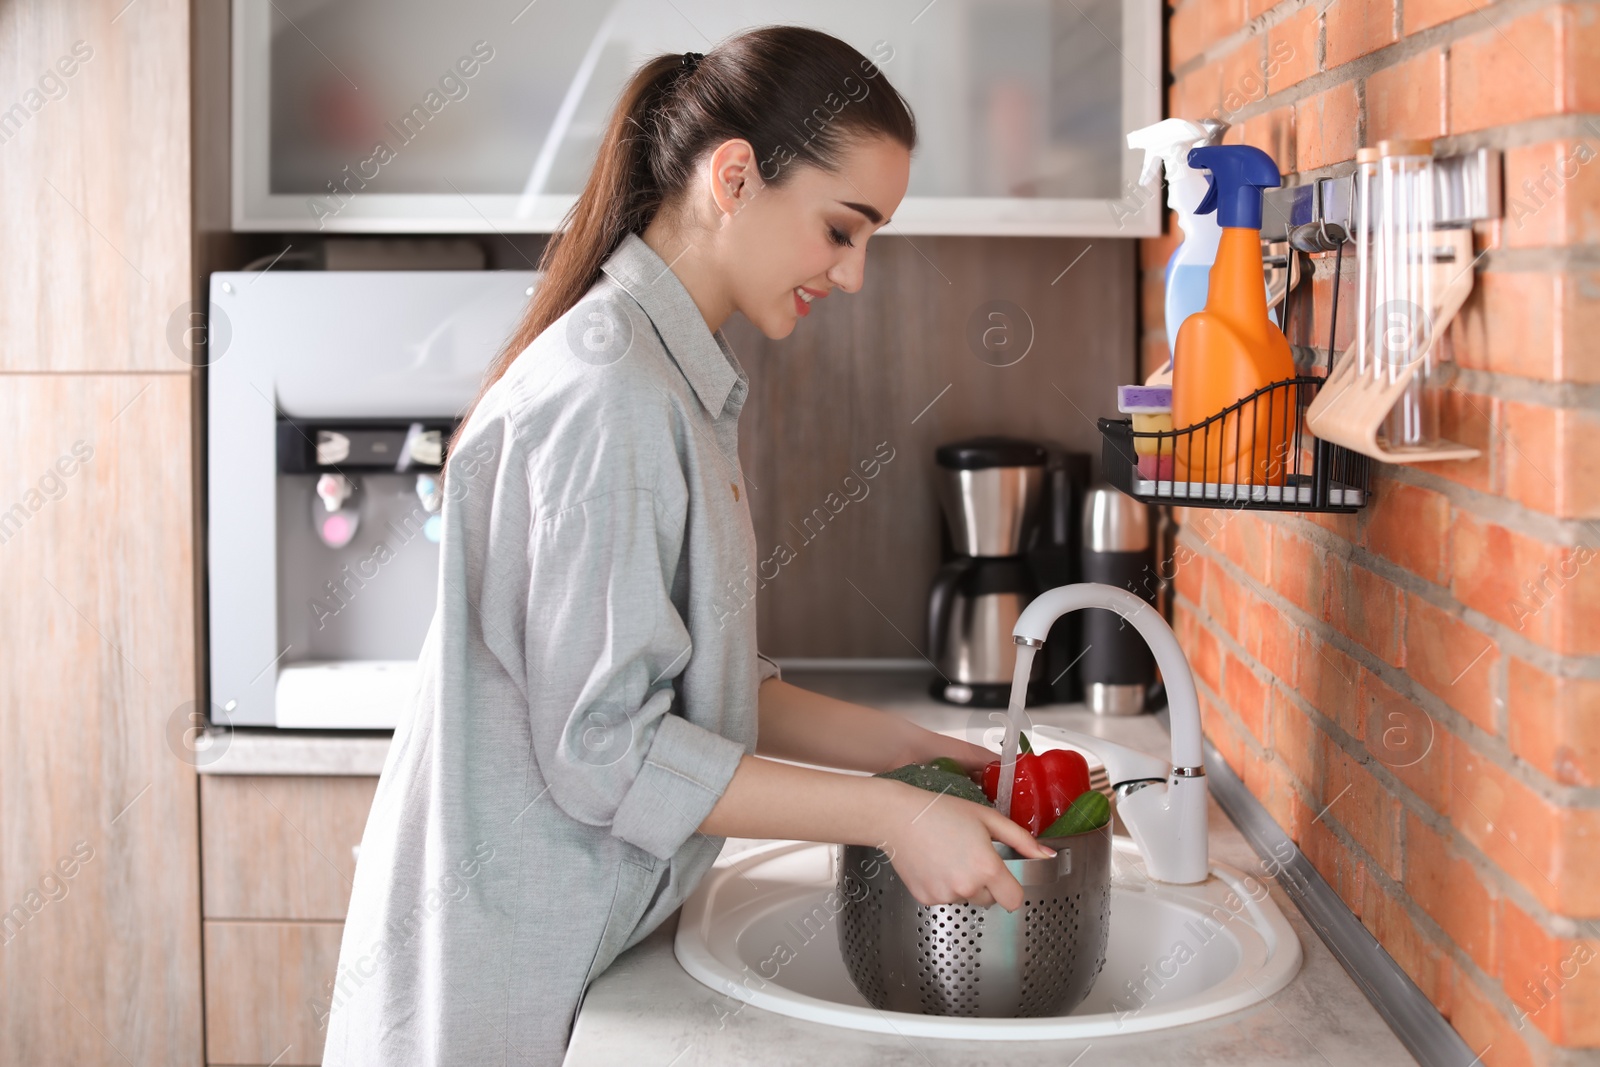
1163, 805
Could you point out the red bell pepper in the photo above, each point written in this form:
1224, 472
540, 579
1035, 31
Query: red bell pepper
1066, 774
1029, 806
1045, 786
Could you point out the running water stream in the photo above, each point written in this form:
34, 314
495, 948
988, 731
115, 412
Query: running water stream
1009, 743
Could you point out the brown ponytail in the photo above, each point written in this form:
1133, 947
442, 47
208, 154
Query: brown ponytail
795, 94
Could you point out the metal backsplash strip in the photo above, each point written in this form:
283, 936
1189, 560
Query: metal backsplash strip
1406, 1009
1467, 189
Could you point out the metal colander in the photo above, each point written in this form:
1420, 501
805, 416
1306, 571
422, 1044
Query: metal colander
957, 959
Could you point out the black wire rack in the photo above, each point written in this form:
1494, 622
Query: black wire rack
1256, 454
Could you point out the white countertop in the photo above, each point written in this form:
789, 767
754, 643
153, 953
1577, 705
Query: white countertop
646, 1010
265, 750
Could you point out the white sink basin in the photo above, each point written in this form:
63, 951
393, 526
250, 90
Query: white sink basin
759, 928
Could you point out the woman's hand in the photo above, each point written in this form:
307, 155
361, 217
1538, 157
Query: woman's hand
941, 847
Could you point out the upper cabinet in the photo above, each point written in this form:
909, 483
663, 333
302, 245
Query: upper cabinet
484, 115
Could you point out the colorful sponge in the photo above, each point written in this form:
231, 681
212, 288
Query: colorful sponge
1144, 399
1155, 422
1156, 468
1151, 408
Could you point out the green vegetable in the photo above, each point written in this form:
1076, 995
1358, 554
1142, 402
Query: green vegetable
945, 763
1089, 811
937, 780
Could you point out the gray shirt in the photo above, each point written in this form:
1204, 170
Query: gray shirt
586, 688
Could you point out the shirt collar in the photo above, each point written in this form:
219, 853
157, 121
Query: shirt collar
703, 356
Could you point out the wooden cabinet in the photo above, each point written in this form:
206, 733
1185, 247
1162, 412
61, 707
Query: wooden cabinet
99, 879
1021, 107
279, 846
266, 990
276, 869
100, 954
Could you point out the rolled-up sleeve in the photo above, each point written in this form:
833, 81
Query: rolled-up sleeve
767, 668
603, 645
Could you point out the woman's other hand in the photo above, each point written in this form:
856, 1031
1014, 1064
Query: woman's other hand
942, 849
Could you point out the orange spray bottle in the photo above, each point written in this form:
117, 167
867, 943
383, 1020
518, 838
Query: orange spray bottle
1231, 349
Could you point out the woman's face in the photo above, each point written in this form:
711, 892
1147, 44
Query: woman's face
783, 247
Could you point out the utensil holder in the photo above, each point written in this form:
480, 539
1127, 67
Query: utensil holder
1351, 407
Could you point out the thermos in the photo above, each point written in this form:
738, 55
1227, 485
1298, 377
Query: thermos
1117, 667
1056, 559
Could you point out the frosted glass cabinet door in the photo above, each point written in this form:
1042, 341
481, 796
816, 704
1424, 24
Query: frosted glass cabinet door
483, 115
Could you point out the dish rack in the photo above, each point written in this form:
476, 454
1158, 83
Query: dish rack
1303, 473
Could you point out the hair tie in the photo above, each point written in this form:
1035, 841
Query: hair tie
691, 60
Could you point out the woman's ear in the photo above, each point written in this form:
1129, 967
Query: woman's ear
735, 177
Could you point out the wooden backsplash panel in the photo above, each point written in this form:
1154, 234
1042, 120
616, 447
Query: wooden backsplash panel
860, 373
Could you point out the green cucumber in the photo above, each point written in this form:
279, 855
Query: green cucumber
1089, 811
945, 763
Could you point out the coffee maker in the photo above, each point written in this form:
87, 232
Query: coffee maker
989, 489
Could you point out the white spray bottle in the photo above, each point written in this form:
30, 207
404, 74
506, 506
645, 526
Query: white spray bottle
1166, 144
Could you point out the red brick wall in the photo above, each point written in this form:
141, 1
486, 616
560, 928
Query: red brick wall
1414, 690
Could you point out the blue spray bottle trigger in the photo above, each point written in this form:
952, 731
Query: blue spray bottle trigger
1235, 176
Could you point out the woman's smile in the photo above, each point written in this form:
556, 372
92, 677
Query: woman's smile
803, 297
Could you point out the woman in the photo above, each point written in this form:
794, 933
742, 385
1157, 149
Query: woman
586, 727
